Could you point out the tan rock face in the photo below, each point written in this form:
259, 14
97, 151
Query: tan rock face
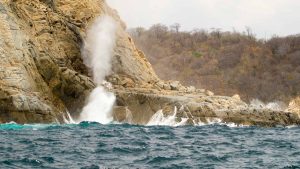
41, 70
25, 90
294, 106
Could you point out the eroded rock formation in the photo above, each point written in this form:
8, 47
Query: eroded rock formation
41, 71
42, 74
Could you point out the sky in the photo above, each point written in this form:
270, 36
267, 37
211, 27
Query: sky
265, 17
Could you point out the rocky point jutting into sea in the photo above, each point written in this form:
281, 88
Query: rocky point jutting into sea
42, 74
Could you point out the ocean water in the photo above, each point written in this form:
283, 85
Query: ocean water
92, 145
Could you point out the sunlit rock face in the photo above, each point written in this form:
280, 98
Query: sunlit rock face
294, 106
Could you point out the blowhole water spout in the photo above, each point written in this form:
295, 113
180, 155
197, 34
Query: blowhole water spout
97, 55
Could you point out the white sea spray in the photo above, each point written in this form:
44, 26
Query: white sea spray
97, 54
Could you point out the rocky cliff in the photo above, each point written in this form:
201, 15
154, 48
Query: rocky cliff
42, 75
41, 71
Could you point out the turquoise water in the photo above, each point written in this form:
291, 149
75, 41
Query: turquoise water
92, 145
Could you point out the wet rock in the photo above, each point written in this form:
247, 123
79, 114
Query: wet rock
114, 79
119, 113
200, 109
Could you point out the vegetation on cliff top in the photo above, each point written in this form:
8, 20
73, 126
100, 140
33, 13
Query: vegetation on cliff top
226, 62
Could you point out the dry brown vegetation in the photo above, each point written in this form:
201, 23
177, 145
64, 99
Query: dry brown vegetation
227, 63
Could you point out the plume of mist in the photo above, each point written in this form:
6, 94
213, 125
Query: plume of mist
99, 46
97, 55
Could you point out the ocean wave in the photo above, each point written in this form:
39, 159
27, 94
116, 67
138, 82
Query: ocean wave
90, 144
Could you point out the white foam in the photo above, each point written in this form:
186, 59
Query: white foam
159, 119
218, 121
99, 47
276, 105
97, 55
68, 119
99, 107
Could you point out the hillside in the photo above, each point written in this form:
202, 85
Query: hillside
227, 63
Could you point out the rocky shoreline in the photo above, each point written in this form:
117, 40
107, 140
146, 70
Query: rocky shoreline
42, 75
196, 108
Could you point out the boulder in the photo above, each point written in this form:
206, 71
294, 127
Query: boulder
175, 85
191, 89
236, 96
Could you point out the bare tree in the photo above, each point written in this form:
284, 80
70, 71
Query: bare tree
159, 31
216, 32
176, 27
226, 62
250, 33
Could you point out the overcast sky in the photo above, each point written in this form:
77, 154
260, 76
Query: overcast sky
265, 17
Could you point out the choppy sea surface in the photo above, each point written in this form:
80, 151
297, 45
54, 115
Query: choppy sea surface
92, 145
